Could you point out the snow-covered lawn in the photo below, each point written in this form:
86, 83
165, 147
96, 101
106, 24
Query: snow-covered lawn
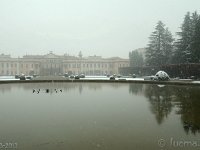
7, 78
196, 82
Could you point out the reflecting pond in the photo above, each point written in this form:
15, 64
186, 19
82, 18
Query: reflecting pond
104, 116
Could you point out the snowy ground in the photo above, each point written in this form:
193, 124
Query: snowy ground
8, 78
196, 82
108, 78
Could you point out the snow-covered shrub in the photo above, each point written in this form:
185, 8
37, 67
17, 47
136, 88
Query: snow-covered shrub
161, 76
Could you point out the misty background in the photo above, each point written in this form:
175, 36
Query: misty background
95, 27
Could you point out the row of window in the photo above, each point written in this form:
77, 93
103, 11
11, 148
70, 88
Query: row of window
51, 65
7, 65
123, 65
85, 65
93, 65
21, 65
73, 65
8, 72
52, 61
92, 72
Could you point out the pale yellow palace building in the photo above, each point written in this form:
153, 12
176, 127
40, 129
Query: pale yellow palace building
52, 64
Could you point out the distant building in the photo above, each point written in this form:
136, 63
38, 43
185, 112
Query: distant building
51, 64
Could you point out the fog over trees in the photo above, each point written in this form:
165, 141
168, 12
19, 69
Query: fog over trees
187, 47
136, 59
160, 46
164, 49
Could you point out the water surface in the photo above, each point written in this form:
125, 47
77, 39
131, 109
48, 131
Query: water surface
104, 116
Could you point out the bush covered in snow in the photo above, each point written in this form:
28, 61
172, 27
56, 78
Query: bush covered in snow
161, 76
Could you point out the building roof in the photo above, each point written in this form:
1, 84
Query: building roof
4, 56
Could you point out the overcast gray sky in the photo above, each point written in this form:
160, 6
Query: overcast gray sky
102, 27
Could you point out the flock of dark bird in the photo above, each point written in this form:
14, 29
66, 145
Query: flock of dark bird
37, 91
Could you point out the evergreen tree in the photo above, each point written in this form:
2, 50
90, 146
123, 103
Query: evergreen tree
136, 59
183, 47
187, 46
195, 43
160, 46
168, 46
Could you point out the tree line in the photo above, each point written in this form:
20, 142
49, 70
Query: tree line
163, 49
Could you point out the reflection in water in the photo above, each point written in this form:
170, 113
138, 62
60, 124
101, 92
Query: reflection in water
160, 100
57, 86
185, 99
136, 88
97, 115
5, 88
189, 108
80, 88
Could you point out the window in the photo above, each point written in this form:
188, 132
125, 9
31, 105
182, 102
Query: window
74, 65
36, 66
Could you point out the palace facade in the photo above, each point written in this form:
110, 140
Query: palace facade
52, 64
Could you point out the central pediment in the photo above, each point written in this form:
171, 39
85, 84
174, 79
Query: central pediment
51, 55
